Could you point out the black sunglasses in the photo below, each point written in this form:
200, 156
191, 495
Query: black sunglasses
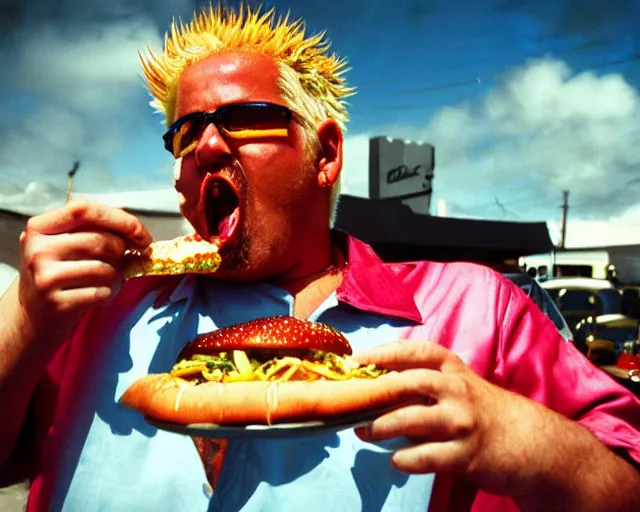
237, 121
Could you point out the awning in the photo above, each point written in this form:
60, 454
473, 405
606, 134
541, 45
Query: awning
399, 234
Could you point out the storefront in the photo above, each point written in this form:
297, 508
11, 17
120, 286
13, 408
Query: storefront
397, 233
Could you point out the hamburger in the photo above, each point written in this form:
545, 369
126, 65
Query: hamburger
188, 254
266, 371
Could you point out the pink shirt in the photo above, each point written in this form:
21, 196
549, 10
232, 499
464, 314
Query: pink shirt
477, 314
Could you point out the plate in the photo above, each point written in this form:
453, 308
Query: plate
279, 430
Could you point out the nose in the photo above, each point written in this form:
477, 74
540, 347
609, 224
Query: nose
212, 148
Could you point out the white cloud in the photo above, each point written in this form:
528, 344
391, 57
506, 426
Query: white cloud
84, 98
540, 130
596, 233
545, 95
90, 68
38, 197
355, 168
162, 199
622, 229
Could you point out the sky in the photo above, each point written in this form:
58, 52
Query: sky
521, 98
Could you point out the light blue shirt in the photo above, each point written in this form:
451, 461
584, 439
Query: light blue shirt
123, 463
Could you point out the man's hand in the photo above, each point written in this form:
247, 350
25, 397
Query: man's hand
502, 442
71, 261
465, 425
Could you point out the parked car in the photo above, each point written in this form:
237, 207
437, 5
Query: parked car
604, 318
630, 300
604, 337
577, 282
580, 298
543, 300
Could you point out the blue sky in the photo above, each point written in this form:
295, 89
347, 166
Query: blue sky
521, 98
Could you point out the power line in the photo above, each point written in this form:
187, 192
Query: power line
500, 56
524, 199
475, 81
504, 210
494, 204
423, 106
452, 85
636, 57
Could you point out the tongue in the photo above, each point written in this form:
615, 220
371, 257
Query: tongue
227, 226
220, 207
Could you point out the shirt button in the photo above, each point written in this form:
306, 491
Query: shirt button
207, 489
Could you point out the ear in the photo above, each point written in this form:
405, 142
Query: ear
330, 164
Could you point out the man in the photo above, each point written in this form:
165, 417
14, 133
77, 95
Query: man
261, 170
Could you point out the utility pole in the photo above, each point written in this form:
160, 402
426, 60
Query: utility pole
565, 210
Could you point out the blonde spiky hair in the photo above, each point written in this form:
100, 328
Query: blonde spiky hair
317, 73
311, 79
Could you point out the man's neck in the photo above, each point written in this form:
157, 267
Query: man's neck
309, 298
311, 289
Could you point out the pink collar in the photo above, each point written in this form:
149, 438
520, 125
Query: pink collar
371, 285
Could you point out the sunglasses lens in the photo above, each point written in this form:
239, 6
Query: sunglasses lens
254, 117
185, 137
244, 121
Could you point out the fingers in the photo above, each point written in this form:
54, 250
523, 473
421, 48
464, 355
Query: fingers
437, 422
404, 354
413, 421
66, 275
86, 216
68, 272
80, 298
445, 457
416, 384
442, 440
99, 245
71, 258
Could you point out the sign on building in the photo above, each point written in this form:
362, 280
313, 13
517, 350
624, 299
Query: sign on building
401, 169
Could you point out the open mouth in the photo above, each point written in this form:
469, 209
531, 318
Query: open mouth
221, 208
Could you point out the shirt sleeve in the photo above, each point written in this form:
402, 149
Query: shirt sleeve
537, 362
45, 396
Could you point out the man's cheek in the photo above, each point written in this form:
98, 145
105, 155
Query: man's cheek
183, 197
182, 202
177, 170
187, 183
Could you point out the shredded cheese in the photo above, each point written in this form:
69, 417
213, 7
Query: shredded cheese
238, 367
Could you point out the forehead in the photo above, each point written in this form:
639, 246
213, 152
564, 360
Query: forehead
227, 77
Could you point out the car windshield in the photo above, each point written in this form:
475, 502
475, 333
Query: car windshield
616, 334
611, 301
578, 300
596, 302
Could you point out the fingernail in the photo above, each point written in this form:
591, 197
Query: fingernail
103, 292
